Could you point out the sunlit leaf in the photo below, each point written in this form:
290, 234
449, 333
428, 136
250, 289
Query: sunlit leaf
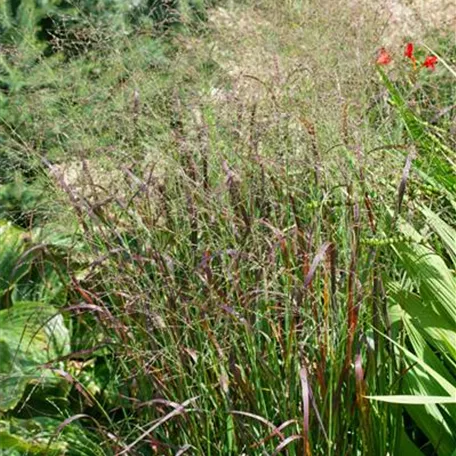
31, 334
414, 400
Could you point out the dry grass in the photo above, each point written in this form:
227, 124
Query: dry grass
415, 18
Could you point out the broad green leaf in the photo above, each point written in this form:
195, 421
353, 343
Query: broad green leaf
446, 232
427, 376
30, 437
434, 327
12, 243
445, 384
407, 447
28, 271
436, 421
436, 282
31, 334
43, 436
12, 381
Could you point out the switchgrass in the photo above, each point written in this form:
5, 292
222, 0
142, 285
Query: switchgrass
248, 306
230, 271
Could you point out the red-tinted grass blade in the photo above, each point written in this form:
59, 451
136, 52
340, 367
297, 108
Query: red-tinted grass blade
305, 391
285, 443
316, 261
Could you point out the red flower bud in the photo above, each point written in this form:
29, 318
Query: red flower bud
430, 62
383, 57
408, 52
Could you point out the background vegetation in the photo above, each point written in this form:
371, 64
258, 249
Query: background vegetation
224, 230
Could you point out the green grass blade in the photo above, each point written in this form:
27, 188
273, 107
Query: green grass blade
414, 400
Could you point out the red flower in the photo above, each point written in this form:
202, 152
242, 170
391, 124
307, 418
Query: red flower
430, 62
409, 51
383, 57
